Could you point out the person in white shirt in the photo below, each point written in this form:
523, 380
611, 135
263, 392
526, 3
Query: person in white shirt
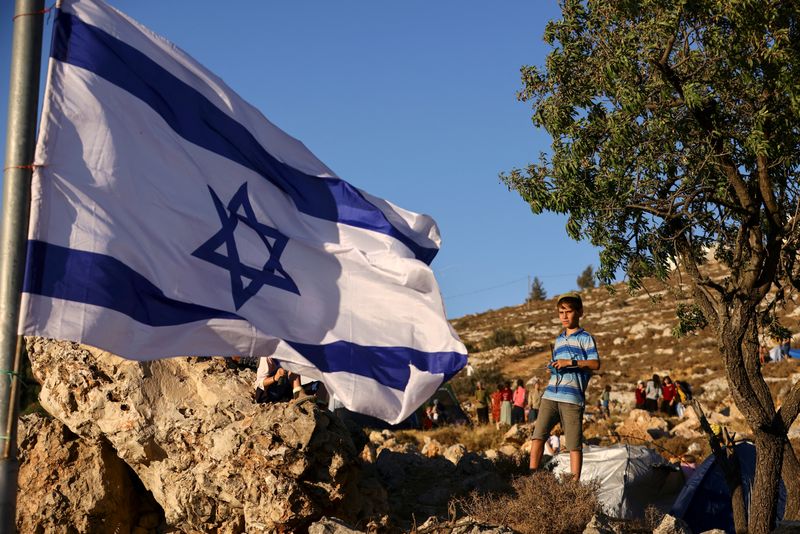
274, 383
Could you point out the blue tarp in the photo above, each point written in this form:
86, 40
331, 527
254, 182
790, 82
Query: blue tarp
705, 501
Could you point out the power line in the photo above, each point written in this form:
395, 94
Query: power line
484, 289
487, 288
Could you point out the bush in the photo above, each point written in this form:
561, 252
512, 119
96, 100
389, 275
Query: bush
539, 503
502, 337
471, 346
475, 439
464, 386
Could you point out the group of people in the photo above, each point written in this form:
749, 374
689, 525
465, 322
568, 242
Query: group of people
508, 406
663, 395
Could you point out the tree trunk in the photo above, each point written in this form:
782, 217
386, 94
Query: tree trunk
764, 492
725, 455
790, 473
733, 476
739, 352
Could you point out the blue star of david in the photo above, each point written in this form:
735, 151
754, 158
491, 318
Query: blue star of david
271, 274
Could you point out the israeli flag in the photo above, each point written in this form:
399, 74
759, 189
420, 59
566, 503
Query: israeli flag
169, 217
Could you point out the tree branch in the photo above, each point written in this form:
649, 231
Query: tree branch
704, 119
765, 188
791, 406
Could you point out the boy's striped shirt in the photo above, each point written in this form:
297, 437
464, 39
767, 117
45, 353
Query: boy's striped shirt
569, 385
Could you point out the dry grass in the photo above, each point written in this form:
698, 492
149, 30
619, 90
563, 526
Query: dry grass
539, 503
475, 439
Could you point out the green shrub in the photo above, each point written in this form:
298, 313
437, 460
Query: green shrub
464, 386
502, 337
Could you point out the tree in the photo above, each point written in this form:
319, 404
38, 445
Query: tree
676, 134
537, 292
586, 278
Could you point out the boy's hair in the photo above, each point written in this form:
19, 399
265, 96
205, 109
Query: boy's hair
573, 300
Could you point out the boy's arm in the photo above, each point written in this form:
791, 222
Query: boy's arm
593, 360
592, 363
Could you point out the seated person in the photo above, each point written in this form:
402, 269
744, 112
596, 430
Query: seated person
439, 413
274, 383
552, 446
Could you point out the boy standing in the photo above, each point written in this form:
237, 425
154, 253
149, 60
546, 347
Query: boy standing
573, 360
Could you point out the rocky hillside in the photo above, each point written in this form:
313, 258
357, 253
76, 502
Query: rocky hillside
634, 334
178, 445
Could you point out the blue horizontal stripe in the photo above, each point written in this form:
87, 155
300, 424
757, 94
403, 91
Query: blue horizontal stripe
91, 278
563, 388
386, 365
564, 393
567, 350
100, 280
571, 351
196, 119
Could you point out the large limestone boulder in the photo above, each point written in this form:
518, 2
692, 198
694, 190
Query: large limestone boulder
432, 448
419, 486
213, 459
642, 426
672, 525
518, 434
463, 525
688, 429
66, 483
454, 453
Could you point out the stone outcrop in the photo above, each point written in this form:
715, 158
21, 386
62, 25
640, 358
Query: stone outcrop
672, 525
464, 525
518, 434
212, 459
421, 487
328, 525
68, 481
642, 426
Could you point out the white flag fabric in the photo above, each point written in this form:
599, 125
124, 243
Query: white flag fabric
170, 218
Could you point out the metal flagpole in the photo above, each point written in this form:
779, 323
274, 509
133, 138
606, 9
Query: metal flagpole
23, 98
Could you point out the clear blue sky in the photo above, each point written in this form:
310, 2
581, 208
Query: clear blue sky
412, 101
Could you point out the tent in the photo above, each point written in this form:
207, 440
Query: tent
631, 478
452, 407
705, 501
